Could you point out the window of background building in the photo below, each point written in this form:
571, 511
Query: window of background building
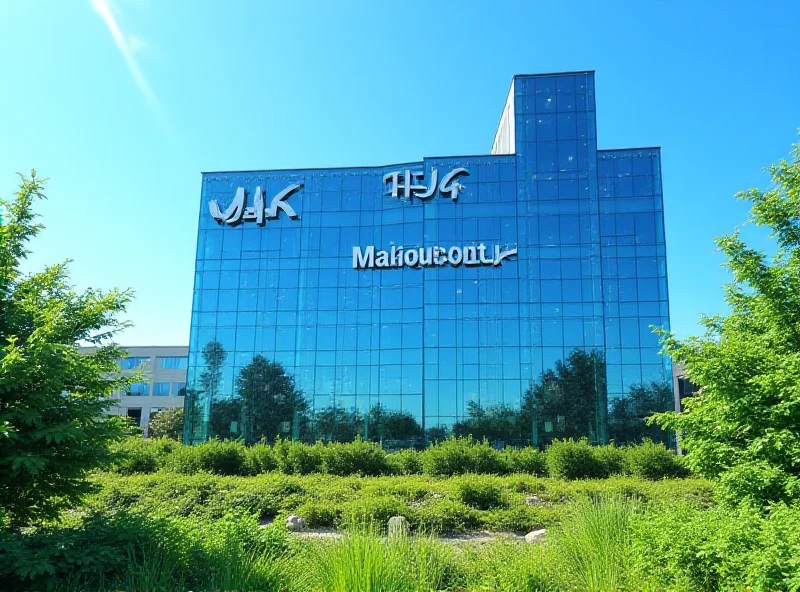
139, 389
173, 363
161, 389
132, 363
178, 389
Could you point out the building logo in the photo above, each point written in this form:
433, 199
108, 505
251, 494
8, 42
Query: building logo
411, 184
429, 256
238, 210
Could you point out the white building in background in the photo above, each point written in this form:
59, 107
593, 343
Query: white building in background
163, 382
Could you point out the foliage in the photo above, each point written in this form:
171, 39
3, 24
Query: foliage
215, 456
745, 419
683, 548
354, 458
611, 459
260, 459
404, 462
456, 456
653, 461
479, 492
139, 455
51, 397
627, 417
121, 550
505, 566
571, 459
167, 423
297, 458
526, 460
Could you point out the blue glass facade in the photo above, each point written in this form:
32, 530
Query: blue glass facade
289, 338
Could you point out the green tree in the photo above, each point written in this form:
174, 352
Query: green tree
167, 422
742, 428
52, 398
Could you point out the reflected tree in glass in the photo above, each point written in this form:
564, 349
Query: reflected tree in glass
626, 422
568, 401
392, 428
202, 398
271, 405
334, 423
499, 423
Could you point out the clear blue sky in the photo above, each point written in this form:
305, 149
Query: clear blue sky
122, 103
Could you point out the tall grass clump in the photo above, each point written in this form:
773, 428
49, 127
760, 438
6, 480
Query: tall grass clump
589, 549
456, 456
362, 561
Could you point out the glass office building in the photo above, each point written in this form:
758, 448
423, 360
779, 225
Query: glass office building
509, 295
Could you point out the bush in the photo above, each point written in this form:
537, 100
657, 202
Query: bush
611, 460
573, 459
653, 461
365, 511
441, 514
682, 547
354, 458
137, 455
479, 492
260, 459
526, 460
456, 456
223, 457
295, 458
404, 462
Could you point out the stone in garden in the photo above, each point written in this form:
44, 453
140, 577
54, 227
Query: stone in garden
533, 500
398, 527
295, 523
535, 536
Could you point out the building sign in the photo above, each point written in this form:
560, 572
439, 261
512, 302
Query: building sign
369, 258
238, 210
411, 184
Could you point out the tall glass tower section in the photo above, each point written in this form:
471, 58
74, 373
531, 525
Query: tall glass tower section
509, 296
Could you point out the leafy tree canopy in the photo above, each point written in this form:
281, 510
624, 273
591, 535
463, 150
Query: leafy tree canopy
743, 426
52, 399
167, 422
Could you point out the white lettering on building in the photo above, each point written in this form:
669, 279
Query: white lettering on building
408, 184
238, 210
369, 258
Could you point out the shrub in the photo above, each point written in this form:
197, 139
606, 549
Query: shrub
506, 566
223, 457
404, 462
319, 512
456, 456
527, 460
377, 510
441, 514
611, 460
354, 458
653, 461
297, 458
573, 459
260, 459
479, 492
137, 455
683, 547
